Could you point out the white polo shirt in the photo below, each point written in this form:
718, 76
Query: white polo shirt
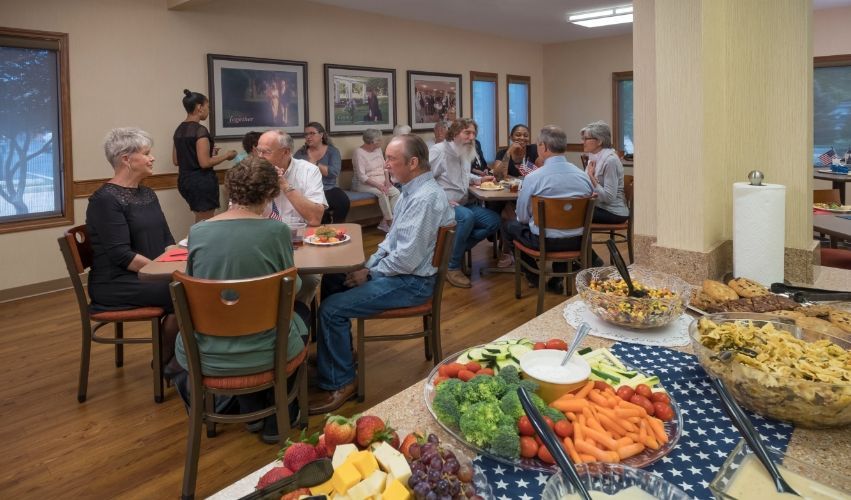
306, 178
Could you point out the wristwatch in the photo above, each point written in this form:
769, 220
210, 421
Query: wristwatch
289, 188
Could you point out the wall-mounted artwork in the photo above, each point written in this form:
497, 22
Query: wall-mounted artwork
433, 97
358, 98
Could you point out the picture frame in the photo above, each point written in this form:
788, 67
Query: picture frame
358, 98
255, 94
433, 97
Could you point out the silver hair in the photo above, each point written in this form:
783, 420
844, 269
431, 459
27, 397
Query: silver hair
284, 139
371, 135
599, 130
401, 130
125, 141
441, 124
554, 138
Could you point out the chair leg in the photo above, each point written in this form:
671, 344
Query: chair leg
542, 287
209, 408
516, 273
303, 398
119, 348
193, 446
361, 361
156, 342
282, 410
436, 340
85, 354
427, 341
629, 249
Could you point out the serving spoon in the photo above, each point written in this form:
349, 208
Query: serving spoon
584, 328
743, 424
617, 258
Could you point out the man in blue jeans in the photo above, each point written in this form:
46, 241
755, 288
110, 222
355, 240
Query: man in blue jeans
398, 274
450, 163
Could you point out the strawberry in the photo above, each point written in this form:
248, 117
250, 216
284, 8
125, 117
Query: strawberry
321, 449
273, 476
338, 430
295, 495
371, 429
414, 437
394, 439
297, 455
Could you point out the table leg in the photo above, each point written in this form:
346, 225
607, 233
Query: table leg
840, 185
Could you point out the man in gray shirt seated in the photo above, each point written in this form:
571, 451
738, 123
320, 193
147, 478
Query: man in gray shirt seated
557, 178
398, 274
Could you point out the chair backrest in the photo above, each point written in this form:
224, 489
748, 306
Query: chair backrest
629, 190
584, 158
442, 251
77, 253
233, 308
564, 213
826, 196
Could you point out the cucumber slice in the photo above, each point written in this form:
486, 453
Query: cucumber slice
649, 381
476, 354
463, 358
517, 351
584, 351
502, 363
604, 375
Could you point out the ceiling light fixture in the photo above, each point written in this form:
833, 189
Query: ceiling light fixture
606, 17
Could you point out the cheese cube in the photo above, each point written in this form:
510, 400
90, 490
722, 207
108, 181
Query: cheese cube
369, 487
341, 497
345, 477
364, 461
341, 453
325, 488
393, 462
396, 491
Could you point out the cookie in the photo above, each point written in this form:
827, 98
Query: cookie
787, 314
771, 302
819, 325
820, 310
747, 288
841, 319
700, 300
719, 291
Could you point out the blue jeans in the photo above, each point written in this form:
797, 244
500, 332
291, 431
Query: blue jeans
473, 223
336, 365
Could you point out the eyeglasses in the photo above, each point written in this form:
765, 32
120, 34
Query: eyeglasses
311, 133
266, 152
588, 139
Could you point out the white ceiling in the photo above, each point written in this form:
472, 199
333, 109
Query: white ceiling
541, 21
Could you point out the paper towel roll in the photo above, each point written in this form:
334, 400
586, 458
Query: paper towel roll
759, 222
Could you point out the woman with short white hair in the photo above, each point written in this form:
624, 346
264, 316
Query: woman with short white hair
606, 173
368, 163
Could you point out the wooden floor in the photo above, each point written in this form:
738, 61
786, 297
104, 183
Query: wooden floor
120, 444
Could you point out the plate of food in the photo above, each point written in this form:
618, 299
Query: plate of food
472, 395
491, 186
327, 236
833, 207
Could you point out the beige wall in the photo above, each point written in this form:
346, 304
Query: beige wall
130, 60
831, 33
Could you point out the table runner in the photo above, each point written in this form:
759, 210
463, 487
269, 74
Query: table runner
708, 434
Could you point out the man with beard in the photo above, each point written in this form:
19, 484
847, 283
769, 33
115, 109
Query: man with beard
450, 161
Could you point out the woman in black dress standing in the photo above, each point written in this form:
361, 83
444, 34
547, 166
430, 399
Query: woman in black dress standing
127, 229
194, 156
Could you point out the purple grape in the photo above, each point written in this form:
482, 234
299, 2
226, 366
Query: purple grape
476, 497
421, 491
465, 473
436, 463
448, 455
414, 451
442, 487
432, 438
431, 496
454, 487
434, 475
451, 466
468, 490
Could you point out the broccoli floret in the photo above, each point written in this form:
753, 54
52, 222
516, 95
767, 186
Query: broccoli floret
510, 404
480, 422
506, 442
445, 404
484, 388
453, 386
529, 385
510, 374
554, 414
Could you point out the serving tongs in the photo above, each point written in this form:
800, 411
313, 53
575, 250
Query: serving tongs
313, 473
617, 258
746, 429
804, 294
551, 442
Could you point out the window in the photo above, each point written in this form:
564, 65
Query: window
483, 90
831, 105
35, 132
519, 100
622, 134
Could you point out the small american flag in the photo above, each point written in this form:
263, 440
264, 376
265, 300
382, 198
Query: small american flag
276, 214
848, 153
827, 157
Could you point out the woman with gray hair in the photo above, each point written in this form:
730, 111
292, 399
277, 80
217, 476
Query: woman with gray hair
127, 229
606, 173
371, 177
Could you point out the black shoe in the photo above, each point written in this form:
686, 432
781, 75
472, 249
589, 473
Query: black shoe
597, 262
269, 434
555, 285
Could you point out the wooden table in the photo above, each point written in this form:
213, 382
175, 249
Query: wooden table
838, 228
838, 180
309, 259
830, 448
487, 195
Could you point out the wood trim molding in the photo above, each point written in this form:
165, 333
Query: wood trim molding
487, 77
22, 292
617, 77
827, 61
509, 79
573, 147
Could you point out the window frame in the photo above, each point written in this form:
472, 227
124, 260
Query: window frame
617, 77
480, 76
509, 79
834, 61
59, 42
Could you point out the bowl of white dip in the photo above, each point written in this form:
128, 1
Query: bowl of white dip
613, 481
544, 367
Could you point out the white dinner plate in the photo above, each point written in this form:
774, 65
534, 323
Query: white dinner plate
312, 240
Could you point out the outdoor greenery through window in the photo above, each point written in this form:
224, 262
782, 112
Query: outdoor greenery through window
622, 130
483, 90
34, 145
831, 105
519, 100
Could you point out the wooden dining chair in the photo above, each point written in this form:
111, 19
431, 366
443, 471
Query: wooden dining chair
77, 251
236, 308
620, 233
826, 196
429, 311
555, 213
584, 158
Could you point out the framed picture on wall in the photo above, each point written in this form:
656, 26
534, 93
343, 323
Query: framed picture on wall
251, 94
433, 97
358, 98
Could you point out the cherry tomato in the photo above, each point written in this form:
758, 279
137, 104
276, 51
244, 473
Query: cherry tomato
466, 375
660, 397
601, 386
485, 371
539, 345
528, 447
549, 421
524, 426
563, 428
443, 371
439, 379
452, 369
558, 344
643, 402
663, 411
644, 390
473, 366
544, 455
538, 440
625, 392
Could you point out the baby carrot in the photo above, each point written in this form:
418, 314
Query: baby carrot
585, 447
630, 450
579, 428
587, 458
601, 438
565, 405
582, 393
658, 429
571, 450
570, 416
624, 441
598, 398
611, 425
642, 432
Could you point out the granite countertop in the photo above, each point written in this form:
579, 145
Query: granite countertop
830, 448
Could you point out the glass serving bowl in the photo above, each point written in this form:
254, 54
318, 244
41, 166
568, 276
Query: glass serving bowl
806, 403
610, 479
725, 486
673, 428
634, 312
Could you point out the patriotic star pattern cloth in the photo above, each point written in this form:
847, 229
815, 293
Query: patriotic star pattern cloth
708, 434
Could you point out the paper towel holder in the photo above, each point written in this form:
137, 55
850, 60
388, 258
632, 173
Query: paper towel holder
755, 177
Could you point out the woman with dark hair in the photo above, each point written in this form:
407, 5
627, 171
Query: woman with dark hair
249, 142
522, 156
318, 150
194, 155
241, 243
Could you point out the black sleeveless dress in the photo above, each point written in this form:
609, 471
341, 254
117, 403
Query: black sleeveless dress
198, 186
